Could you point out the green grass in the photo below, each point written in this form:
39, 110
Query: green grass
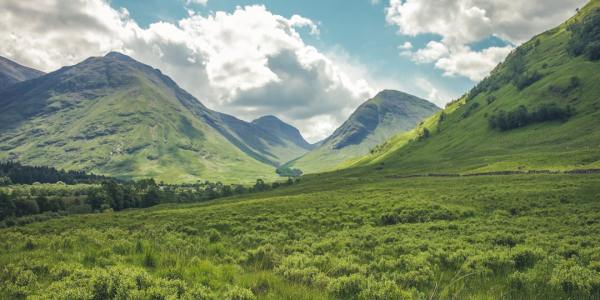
335, 235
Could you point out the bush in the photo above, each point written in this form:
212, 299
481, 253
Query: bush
574, 279
470, 109
238, 293
213, 235
150, 260
347, 287
525, 80
263, 257
383, 290
526, 257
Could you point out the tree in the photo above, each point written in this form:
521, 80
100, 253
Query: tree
151, 198
96, 198
260, 185
43, 203
7, 206
26, 207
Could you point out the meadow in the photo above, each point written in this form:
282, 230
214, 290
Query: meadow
344, 235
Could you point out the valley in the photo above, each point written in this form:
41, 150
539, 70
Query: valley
116, 183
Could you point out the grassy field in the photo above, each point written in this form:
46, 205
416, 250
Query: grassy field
333, 236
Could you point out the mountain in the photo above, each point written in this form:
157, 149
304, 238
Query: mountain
113, 115
268, 142
12, 72
276, 127
375, 121
538, 110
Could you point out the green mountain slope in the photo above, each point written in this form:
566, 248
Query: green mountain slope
258, 140
289, 143
375, 121
12, 72
540, 109
113, 115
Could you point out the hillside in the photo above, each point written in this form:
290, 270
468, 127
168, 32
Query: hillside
293, 144
539, 109
374, 122
12, 72
115, 116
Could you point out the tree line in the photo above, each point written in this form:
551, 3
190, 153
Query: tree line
104, 193
12, 172
521, 117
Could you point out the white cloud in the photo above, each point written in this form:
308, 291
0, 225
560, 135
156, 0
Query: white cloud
432, 52
435, 94
462, 22
374, 2
201, 2
406, 46
474, 65
248, 62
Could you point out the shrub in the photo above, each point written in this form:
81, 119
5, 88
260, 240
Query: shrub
213, 235
382, 290
263, 257
573, 278
526, 257
150, 260
238, 293
470, 109
525, 80
347, 287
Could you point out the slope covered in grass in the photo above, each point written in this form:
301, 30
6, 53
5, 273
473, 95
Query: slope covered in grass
113, 115
332, 236
544, 74
374, 122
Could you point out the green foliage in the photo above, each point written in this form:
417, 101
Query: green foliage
288, 172
524, 80
520, 117
585, 38
518, 236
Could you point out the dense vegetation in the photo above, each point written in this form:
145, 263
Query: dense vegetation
521, 117
288, 172
330, 237
586, 37
56, 193
16, 173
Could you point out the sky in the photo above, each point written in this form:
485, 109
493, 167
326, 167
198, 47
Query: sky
308, 62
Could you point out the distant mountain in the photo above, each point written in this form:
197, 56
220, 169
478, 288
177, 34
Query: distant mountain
276, 127
538, 110
374, 122
12, 72
113, 115
270, 143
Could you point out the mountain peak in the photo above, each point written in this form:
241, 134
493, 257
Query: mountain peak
12, 72
277, 127
267, 118
117, 55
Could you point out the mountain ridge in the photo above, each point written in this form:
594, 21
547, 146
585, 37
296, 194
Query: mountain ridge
129, 119
372, 123
11, 72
